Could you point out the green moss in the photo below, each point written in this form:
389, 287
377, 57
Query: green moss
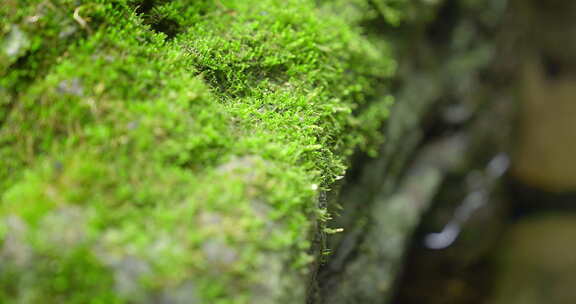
163, 150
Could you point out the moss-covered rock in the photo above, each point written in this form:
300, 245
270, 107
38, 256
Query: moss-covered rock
174, 151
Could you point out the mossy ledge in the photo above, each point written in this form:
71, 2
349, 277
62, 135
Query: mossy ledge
174, 151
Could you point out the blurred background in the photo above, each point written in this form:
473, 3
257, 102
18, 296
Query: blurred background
501, 227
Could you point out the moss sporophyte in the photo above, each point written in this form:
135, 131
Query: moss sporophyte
175, 149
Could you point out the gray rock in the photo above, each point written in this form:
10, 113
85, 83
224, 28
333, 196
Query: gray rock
16, 43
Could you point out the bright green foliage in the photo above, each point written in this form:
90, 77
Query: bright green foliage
174, 150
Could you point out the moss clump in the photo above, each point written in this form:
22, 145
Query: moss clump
173, 151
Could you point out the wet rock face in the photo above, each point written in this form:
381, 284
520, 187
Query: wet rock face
546, 89
546, 146
537, 263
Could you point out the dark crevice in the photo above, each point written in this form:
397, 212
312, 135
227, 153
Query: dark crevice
143, 7
167, 26
157, 22
440, 31
434, 126
553, 68
529, 200
24, 80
